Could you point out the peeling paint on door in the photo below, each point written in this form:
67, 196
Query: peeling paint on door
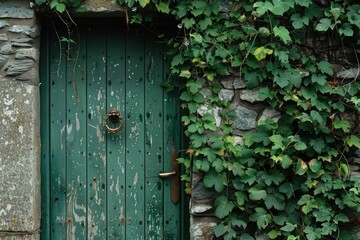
104, 185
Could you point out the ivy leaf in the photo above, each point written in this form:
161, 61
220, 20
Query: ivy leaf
287, 188
274, 177
205, 23
216, 180
193, 86
237, 169
220, 229
353, 140
261, 217
198, 98
188, 22
315, 165
299, 21
240, 198
326, 67
185, 74
303, 3
319, 79
276, 201
60, 7
278, 141
273, 234
318, 144
282, 33
288, 227
340, 217
342, 124
161, 7
256, 193
177, 60
143, 3
223, 207
186, 97
250, 176
346, 30
301, 167
261, 52
323, 25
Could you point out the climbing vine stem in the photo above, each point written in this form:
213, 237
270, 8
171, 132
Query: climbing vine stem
290, 177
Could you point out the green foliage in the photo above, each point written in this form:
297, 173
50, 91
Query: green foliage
290, 179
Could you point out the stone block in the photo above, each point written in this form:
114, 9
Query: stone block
19, 167
214, 111
6, 49
102, 6
23, 53
19, 28
202, 228
16, 9
250, 95
18, 66
3, 24
35, 236
226, 94
3, 37
245, 119
233, 83
269, 113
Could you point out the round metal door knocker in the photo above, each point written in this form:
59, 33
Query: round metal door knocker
114, 119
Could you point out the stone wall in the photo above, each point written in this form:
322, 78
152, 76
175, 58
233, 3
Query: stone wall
19, 126
249, 112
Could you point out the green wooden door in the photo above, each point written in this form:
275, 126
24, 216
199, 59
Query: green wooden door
100, 185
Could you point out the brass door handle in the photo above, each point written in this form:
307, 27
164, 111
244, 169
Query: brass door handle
175, 177
168, 174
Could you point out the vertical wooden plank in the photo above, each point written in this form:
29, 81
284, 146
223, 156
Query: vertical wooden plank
135, 135
172, 222
76, 138
45, 135
153, 137
58, 144
116, 93
96, 144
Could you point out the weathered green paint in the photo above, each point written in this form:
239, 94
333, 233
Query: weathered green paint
103, 185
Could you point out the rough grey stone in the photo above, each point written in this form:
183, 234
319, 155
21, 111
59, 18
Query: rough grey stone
15, 44
31, 75
238, 140
198, 192
245, 118
3, 59
17, 67
233, 83
357, 153
33, 32
354, 168
8, 10
35, 236
269, 113
206, 92
250, 95
23, 53
6, 49
214, 111
19, 167
352, 73
357, 160
198, 208
19, 28
3, 37
226, 94
202, 228
4, 23
22, 40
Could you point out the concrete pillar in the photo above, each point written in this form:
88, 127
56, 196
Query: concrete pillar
19, 122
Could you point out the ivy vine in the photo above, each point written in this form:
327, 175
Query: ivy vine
290, 179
